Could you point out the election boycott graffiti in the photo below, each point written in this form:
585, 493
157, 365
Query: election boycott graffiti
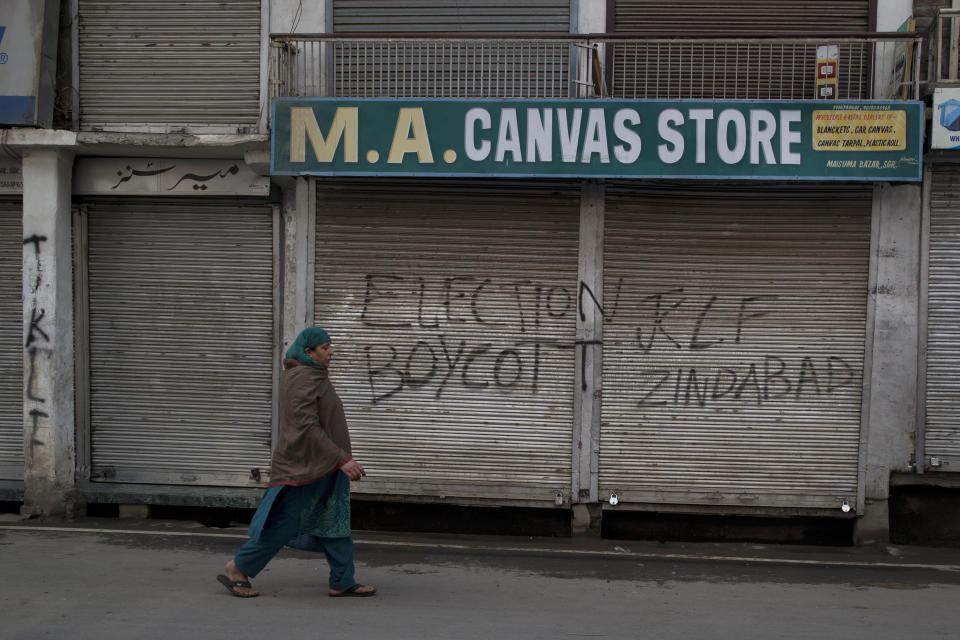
505, 348
453, 309
507, 331
511, 343
794, 140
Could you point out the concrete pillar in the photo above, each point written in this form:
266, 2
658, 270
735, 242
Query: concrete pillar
299, 243
48, 396
589, 366
891, 374
591, 17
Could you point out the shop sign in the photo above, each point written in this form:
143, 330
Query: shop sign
167, 177
945, 132
755, 140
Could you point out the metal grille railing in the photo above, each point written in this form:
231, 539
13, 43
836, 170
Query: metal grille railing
733, 69
424, 68
624, 68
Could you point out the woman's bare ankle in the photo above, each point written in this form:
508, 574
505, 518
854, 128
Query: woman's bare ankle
233, 572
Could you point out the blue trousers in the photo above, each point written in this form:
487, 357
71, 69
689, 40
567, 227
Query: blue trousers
281, 527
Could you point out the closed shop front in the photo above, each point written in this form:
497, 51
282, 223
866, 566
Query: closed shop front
441, 16
736, 68
942, 403
11, 339
181, 359
734, 342
167, 66
452, 309
495, 67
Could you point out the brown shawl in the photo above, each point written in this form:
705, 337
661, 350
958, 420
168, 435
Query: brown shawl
314, 440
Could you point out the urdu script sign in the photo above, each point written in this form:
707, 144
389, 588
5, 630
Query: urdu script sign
754, 140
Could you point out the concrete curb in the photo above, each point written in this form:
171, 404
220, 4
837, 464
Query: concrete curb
617, 552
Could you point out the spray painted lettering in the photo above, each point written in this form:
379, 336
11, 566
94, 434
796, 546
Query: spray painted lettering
35, 333
506, 354
679, 326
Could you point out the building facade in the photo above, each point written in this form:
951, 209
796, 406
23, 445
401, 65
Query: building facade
741, 344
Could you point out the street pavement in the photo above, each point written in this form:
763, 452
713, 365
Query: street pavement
107, 578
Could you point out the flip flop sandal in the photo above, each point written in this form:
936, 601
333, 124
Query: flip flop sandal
232, 585
353, 593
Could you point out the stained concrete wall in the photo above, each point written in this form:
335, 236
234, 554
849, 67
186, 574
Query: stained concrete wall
295, 16
48, 401
890, 407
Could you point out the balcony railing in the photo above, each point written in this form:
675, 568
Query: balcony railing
623, 67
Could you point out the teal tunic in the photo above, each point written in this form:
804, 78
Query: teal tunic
323, 506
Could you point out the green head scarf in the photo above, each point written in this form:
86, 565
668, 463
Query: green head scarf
308, 339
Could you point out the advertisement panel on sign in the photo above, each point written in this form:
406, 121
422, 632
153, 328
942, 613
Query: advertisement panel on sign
759, 140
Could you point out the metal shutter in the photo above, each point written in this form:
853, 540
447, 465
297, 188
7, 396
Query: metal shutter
439, 68
164, 65
181, 340
679, 17
942, 423
733, 345
11, 339
738, 70
451, 305
443, 16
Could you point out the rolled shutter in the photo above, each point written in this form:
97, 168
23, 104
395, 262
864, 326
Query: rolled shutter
733, 345
742, 16
942, 422
451, 69
451, 306
442, 16
738, 70
181, 351
11, 339
165, 65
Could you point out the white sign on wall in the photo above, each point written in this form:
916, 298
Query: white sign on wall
945, 123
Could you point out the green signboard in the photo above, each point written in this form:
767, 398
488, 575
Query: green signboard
759, 140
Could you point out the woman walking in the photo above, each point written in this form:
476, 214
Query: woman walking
308, 503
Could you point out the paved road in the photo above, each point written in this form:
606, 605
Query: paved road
111, 579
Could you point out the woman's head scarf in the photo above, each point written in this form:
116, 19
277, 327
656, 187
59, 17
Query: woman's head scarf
309, 338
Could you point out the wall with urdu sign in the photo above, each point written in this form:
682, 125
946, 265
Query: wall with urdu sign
761, 140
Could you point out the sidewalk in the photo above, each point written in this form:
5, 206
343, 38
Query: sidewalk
107, 578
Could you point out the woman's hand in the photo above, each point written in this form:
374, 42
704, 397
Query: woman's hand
353, 469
